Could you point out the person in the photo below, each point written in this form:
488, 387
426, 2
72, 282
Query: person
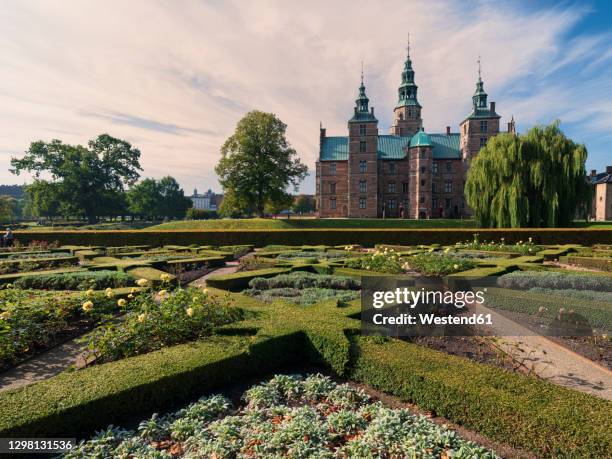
8, 238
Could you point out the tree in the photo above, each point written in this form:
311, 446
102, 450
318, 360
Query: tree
6, 207
88, 179
151, 198
303, 204
533, 180
42, 199
257, 164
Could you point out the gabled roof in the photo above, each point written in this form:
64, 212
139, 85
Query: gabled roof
445, 146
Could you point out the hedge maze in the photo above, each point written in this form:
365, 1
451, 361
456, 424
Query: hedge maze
265, 328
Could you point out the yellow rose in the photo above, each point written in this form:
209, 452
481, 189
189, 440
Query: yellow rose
88, 306
6, 315
133, 291
455, 267
142, 317
165, 277
189, 311
121, 303
205, 291
130, 296
142, 282
163, 293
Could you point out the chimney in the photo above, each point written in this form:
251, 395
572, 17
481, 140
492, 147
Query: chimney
447, 130
492, 107
510, 127
593, 172
355, 110
608, 169
372, 110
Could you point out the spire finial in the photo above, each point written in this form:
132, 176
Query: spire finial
408, 45
361, 72
479, 69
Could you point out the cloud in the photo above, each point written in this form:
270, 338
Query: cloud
175, 80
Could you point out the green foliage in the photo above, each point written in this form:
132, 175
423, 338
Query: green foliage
594, 262
381, 261
6, 207
158, 198
301, 280
533, 180
257, 164
9, 266
240, 280
303, 204
200, 214
438, 264
167, 319
308, 417
75, 281
85, 180
524, 280
305, 296
523, 247
31, 321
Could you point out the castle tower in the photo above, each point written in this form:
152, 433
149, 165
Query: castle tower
480, 125
421, 160
407, 113
362, 158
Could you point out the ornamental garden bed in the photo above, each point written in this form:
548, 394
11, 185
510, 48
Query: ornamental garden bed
175, 345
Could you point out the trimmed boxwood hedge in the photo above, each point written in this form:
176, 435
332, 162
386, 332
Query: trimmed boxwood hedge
605, 264
239, 281
317, 237
523, 411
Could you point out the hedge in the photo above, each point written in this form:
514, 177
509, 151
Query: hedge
151, 274
605, 264
332, 237
240, 280
522, 411
525, 412
8, 278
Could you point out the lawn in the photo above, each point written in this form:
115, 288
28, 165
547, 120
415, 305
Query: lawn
331, 223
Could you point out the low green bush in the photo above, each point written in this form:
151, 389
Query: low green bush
239, 281
10, 266
524, 280
301, 280
438, 264
82, 280
380, 261
154, 276
305, 296
316, 255
603, 263
152, 323
522, 247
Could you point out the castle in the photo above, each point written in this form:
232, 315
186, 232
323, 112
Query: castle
407, 174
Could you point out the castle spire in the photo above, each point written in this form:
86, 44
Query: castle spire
407, 91
362, 111
479, 99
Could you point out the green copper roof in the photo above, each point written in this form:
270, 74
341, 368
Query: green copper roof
393, 147
362, 112
420, 139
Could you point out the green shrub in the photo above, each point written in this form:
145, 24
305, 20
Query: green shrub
524, 280
240, 280
576, 294
380, 261
438, 264
306, 296
10, 266
168, 319
154, 276
82, 280
605, 264
301, 280
315, 255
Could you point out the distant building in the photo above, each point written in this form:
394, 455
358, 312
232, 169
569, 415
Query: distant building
206, 201
601, 207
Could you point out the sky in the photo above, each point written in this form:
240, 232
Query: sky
173, 77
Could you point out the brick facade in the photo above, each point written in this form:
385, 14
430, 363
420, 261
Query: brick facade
407, 174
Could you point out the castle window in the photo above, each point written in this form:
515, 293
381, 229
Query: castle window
362, 129
422, 199
409, 113
448, 186
391, 168
405, 187
449, 166
362, 203
392, 203
483, 141
363, 186
434, 203
391, 187
401, 116
434, 187
332, 169
423, 182
423, 169
422, 154
332, 188
362, 146
363, 167
483, 126
332, 203
435, 168
448, 203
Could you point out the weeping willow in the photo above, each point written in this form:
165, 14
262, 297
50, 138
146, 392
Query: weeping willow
533, 180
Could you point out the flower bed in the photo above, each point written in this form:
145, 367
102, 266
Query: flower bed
30, 321
289, 416
556, 280
526, 247
438, 264
76, 281
162, 320
381, 261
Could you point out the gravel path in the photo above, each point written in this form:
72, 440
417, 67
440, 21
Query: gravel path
229, 268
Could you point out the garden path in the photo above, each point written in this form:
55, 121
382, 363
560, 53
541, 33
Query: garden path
229, 268
63, 356
549, 360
